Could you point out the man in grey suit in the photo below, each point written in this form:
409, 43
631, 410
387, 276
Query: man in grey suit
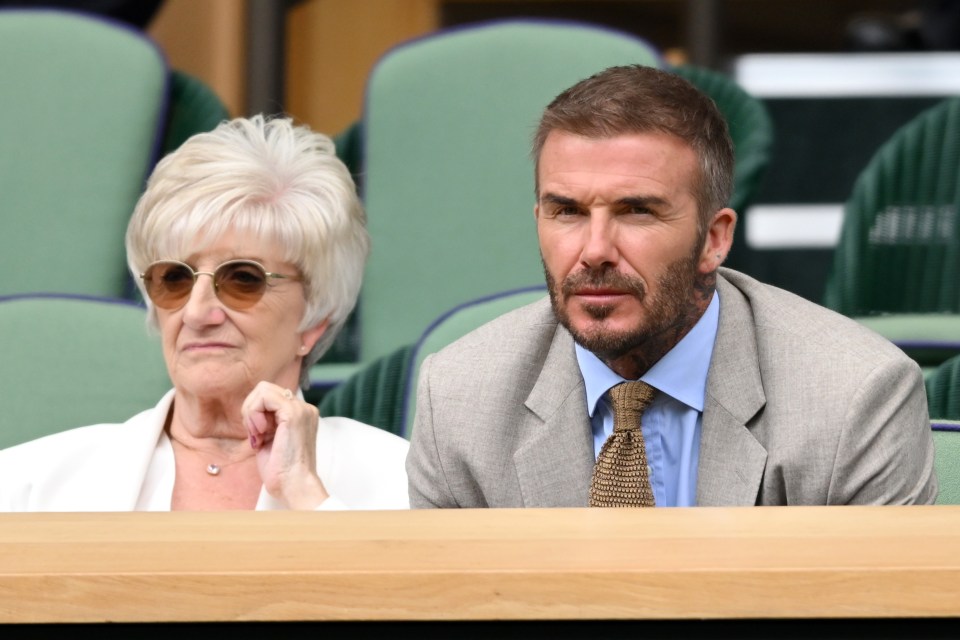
760, 397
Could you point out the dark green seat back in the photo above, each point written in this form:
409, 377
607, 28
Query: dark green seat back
193, 108
374, 394
751, 130
943, 390
899, 249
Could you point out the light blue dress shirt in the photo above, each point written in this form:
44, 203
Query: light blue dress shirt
671, 424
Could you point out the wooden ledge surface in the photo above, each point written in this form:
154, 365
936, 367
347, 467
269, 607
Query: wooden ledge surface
496, 564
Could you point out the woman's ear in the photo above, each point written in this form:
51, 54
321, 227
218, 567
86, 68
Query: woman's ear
310, 337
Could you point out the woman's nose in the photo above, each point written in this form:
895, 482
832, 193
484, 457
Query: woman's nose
203, 307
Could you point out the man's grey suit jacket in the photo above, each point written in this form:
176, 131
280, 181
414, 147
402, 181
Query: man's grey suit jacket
803, 407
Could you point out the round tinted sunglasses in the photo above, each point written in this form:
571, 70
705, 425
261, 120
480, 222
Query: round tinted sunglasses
239, 284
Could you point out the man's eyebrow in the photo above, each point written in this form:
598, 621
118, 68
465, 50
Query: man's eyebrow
628, 201
552, 198
641, 201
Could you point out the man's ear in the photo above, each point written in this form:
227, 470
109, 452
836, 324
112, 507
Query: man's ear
718, 240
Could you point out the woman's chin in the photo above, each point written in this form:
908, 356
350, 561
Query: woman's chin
213, 385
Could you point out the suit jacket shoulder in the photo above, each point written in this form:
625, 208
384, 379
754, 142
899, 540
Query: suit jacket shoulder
812, 407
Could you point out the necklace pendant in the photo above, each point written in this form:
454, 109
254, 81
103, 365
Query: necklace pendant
213, 469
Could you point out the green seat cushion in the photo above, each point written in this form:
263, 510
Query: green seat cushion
448, 180
69, 361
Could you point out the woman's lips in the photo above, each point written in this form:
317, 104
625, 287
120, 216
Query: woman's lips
206, 346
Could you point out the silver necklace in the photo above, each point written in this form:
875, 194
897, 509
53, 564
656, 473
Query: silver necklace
212, 468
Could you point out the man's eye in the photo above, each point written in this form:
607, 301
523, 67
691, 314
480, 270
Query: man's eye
566, 211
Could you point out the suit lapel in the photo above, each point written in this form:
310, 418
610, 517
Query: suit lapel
731, 459
554, 459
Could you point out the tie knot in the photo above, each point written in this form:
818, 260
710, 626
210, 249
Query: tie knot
629, 400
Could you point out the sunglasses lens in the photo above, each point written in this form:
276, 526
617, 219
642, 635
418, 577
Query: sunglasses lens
240, 284
168, 284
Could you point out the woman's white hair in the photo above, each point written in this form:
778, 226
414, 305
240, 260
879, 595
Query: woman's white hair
270, 178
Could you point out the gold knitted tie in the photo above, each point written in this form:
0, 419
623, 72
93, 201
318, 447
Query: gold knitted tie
620, 477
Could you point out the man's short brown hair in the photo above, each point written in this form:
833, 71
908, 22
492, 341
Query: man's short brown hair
639, 99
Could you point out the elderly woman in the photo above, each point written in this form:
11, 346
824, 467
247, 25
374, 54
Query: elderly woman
248, 245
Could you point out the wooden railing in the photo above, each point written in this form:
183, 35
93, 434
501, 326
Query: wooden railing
523, 564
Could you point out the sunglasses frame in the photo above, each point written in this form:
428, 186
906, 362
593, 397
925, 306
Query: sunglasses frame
267, 275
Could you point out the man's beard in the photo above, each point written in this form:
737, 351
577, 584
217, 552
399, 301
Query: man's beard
670, 316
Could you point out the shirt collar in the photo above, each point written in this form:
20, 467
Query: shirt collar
681, 373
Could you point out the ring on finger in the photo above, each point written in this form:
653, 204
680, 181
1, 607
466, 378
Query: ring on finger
287, 394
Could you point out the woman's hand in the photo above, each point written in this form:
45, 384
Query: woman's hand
283, 432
